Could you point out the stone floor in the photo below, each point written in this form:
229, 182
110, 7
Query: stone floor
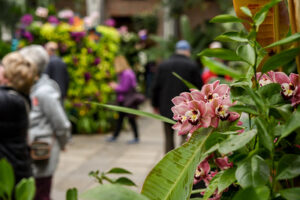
91, 152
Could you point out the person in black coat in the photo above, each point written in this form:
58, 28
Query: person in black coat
16, 77
57, 69
166, 86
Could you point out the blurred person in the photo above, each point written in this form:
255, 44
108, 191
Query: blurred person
48, 121
166, 86
16, 78
126, 83
57, 69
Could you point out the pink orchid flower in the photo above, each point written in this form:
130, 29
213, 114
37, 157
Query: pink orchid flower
202, 172
223, 163
190, 116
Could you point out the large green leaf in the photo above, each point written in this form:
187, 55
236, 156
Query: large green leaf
135, 112
225, 19
7, 178
288, 167
72, 194
259, 193
172, 178
269, 91
232, 37
247, 53
280, 59
187, 83
261, 15
226, 179
253, 172
220, 68
235, 142
111, 192
225, 54
291, 125
25, 190
264, 136
289, 39
291, 193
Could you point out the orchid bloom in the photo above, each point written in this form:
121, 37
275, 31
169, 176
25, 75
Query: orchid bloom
223, 163
202, 172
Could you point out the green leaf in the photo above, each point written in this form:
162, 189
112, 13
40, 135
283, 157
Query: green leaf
264, 136
213, 185
291, 125
188, 84
225, 19
25, 190
291, 193
253, 172
125, 181
289, 39
246, 11
232, 37
247, 53
236, 142
134, 112
280, 59
219, 68
288, 167
118, 170
226, 179
285, 111
269, 90
261, 15
172, 177
7, 178
244, 108
257, 99
225, 54
111, 192
72, 194
251, 194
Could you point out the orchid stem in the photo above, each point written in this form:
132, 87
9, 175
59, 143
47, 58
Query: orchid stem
198, 191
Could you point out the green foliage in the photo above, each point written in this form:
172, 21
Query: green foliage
148, 22
72, 194
172, 177
226, 179
232, 37
287, 40
225, 54
188, 84
288, 167
24, 190
225, 19
291, 194
253, 172
112, 192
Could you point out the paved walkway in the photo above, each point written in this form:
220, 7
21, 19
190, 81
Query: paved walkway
91, 152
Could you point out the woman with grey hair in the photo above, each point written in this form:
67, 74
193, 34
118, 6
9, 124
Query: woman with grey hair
48, 121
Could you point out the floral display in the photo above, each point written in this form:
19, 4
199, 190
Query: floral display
88, 52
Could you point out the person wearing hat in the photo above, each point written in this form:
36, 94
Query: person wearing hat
166, 86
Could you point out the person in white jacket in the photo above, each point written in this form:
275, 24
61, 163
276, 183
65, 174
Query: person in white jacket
48, 121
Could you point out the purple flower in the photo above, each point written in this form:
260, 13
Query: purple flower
143, 34
63, 48
75, 60
97, 61
53, 20
110, 22
28, 36
87, 76
71, 21
77, 36
27, 19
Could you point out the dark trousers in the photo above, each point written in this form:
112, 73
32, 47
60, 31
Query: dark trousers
132, 123
43, 188
169, 137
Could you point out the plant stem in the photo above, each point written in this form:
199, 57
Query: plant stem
255, 65
198, 191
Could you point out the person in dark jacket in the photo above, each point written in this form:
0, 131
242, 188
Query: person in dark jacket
166, 86
16, 77
57, 69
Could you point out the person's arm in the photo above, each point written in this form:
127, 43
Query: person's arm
53, 110
124, 84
